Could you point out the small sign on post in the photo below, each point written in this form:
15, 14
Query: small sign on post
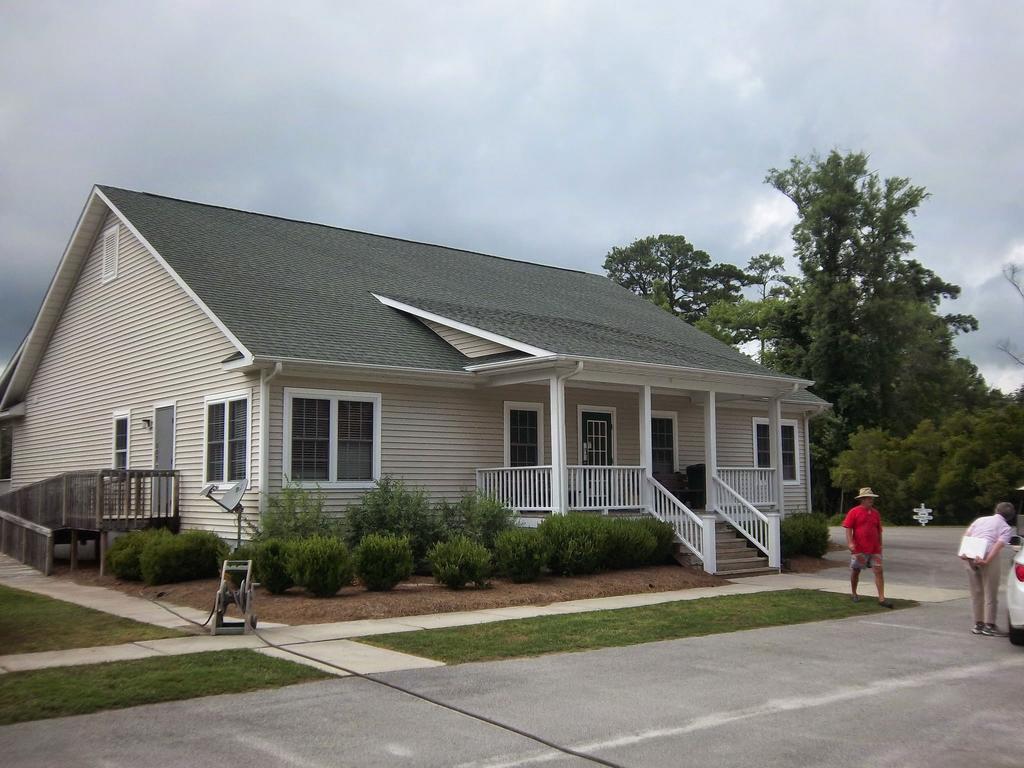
922, 514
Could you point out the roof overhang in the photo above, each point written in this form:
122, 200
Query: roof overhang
638, 373
14, 412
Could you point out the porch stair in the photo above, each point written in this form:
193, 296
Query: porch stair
736, 556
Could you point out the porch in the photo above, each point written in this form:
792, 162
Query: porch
679, 478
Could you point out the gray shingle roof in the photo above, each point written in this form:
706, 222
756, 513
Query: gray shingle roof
301, 290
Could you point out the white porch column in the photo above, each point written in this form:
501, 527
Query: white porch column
646, 450
711, 450
559, 492
775, 443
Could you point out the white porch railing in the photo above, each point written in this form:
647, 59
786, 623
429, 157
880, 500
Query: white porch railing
521, 489
689, 527
601, 487
762, 530
755, 484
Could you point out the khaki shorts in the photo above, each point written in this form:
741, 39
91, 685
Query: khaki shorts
862, 561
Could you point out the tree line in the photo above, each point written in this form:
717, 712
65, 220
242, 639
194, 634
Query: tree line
862, 318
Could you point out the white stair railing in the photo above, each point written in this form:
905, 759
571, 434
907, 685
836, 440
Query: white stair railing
521, 489
762, 530
755, 484
605, 487
667, 508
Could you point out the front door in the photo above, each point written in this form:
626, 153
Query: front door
598, 442
163, 458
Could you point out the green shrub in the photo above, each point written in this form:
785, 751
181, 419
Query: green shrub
460, 561
627, 544
479, 518
189, 555
270, 561
665, 536
575, 543
381, 561
122, 559
393, 509
296, 513
321, 564
520, 554
805, 534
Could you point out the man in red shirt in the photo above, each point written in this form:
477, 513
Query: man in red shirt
864, 540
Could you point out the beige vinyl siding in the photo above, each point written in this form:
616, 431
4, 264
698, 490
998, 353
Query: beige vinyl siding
466, 343
127, 344
434, 438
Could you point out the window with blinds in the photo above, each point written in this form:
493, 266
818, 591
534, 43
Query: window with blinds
311, 439
227, 439
332, 438
355, 440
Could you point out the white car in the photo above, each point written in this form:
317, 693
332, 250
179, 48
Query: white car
1015, 594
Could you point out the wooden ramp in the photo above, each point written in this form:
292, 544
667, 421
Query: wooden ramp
87, 503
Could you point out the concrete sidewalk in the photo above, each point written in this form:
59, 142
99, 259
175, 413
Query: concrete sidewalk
332, 642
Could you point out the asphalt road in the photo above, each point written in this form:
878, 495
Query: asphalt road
903, 688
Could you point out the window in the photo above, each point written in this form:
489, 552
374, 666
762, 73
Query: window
122, 419
110, 252
332, 438
790, 454
663, 442
227, 438
524, 434
6, 451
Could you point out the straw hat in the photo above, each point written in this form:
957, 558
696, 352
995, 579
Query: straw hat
866, 492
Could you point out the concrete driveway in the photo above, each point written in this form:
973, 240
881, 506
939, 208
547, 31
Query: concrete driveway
902, 688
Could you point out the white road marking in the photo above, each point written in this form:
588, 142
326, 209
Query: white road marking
282, 755
919, 629
770, 707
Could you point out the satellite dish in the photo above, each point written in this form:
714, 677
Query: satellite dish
233, 496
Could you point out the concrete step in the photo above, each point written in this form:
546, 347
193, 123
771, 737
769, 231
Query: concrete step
747, 562
741, 572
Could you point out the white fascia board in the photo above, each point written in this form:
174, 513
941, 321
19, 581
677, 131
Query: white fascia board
246, 354
59, 280
626, 366
471, 330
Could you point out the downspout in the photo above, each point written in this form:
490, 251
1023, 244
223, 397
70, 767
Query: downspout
265, 379
559, 466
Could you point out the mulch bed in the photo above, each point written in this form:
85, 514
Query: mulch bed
419, 595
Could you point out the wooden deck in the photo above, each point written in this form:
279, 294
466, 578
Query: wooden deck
92, 502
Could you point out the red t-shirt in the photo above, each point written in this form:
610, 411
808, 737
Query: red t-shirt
866, 526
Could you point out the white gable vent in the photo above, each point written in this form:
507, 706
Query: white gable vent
110, 238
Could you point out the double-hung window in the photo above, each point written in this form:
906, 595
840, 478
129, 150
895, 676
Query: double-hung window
332, 438
790, 450
122, 421
227, 438
6, 451
524, 434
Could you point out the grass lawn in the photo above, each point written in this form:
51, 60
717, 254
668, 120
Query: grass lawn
30, 622
57, 692
626, 626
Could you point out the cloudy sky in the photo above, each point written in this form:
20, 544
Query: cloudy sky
547, 131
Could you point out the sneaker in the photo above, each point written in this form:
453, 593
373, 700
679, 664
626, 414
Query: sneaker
991, 630
855, 598
978, 629
886, 604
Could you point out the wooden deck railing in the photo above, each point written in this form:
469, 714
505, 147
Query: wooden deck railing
95, 500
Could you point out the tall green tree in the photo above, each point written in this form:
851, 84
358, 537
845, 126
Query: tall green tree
875, 344
669, 271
